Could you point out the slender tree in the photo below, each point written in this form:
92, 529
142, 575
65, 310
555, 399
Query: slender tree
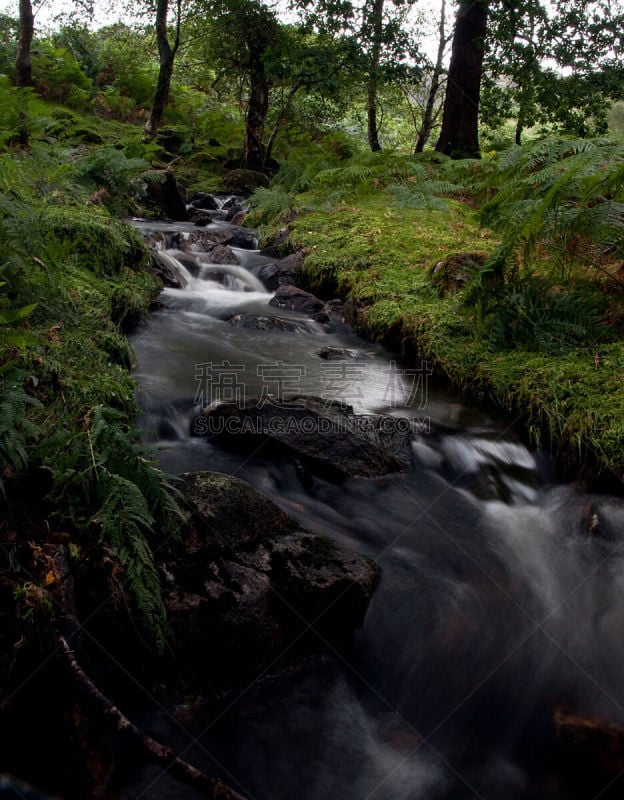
429, 114
244, 37
373, 28
380, 38
459, 136
166, 54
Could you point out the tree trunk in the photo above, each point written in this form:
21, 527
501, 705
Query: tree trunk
23, 62
371, 112
428, 116
166, 54
257, 110
375, 25
459, 137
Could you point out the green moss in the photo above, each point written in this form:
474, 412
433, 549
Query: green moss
380, 256
92, 239
85, 360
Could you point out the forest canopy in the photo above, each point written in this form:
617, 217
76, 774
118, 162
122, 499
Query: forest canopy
388, 70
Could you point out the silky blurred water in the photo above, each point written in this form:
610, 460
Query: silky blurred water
498, 602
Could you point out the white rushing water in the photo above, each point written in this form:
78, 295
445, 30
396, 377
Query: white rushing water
502, 592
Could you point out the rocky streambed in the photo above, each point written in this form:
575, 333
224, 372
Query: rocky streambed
394, 596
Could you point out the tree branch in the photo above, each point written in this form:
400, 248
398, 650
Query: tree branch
212, 788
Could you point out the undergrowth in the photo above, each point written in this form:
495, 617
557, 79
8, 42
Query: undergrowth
71, 464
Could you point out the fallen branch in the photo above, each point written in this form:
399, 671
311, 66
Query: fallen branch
212, 788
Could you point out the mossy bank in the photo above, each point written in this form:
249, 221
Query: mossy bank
381, 256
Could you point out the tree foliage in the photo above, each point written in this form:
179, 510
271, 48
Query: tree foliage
554, 63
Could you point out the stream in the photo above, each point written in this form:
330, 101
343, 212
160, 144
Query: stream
501, 597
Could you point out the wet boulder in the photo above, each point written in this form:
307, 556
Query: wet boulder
234, 210
201, 217
283, 272
156, 240
294, 299
244, 238
321, 434
163, 266
246, 581
205, 240
204, 201
222, 254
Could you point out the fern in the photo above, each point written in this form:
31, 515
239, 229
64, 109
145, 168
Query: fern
124, 522
351, 175
120, 449
110, 169
532, 314
17, 431
563, 194
269, 204
105, 466
425, 194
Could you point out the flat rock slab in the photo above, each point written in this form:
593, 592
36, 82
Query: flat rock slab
322, 433
261, 322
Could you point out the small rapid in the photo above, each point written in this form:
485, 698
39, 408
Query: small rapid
501, 597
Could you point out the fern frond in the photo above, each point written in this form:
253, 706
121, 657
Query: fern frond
124, 521
269, 204
17, 431
559, 192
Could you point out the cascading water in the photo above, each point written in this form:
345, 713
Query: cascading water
501, 592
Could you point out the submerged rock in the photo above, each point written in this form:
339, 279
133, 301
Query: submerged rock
261, 322
337, 353
247, 582
322, 433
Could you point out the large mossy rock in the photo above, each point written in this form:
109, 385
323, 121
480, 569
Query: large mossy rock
247, 590
244, 181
